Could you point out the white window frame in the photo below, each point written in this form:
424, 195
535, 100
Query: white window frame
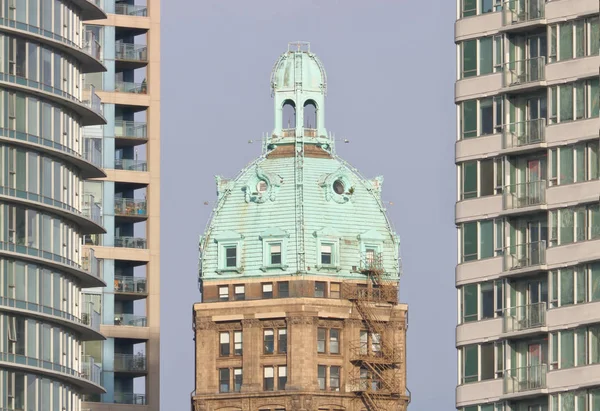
224, 241
270, 237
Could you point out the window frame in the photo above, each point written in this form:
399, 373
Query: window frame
497, 109
496, 41
266, 293
222, 379
236, 295
272, 237
225, 241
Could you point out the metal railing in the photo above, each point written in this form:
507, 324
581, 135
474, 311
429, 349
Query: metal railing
130, 207
131, 87
131, 320
131, 165
524, 133
130, 362
129, 284
131, 129
35, 307
363, 351
91, 209
524, 317
524, 194
521, 11
524, 255
525, 378
39, 363
131, 242
36, 252
524, 71
131, 10
383, 293
131, 52
90, 370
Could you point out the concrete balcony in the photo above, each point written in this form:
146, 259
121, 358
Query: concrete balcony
559, 9
131, 209
477, 332
130, 133
573, 378
524, 197
480, 270
571, 132
573, 254
478, 208
478, 392
573, 316
523, 15
572, 194
525, 320
576, 68
130, 56
477, 26
478, 147
478, 87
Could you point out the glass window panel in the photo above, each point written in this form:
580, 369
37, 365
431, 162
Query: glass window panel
486, 54
32, 70
579, 101
567, 287
594, 36
595, 285
487, 238
471, 363
580, 40
21, 108
469, 8
566, 165
581, 285
487, 361
32, 177
470, 303
566, 226
566, 102
581, 346
565, 40
470, 241
567, 349
580, 165
486, 111
469, 118
486, 170
469, 58
581, 228
469, 179
487, 300
594, 97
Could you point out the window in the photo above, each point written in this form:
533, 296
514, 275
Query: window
574, 101
570, 347
574, 39
334, 341
482, 301
481, 56
575, 163
322, 376
282, 340
334, 290
268, 379
568, 225
320, 289
269, 341
333, 336
229, 245
275, 253
321, 338
224, 293
237, 379
474, 7
267, 290
230, 257
479, 362
224, 344
334, 378
575, 285
481, 117
237, 343
480, 239
326, 254
282, 374
283, 289
224, 380
239, 293
481, 178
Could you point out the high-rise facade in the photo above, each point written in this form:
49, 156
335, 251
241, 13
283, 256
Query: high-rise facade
527, 211
299, 272
43, 210
127, 148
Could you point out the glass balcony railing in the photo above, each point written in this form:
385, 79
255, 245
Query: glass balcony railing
91, 99
130, 284
524, 133
131, 320
131, 10
91, 209
91, 45
92, 150
90, 263
131, 87
130, 362
130, 207
129, 398
131, 242
131, 165
521, 11
90, 370
131, 129
528, 378
90, 317
524, 317
521, 195
524, 71
524, 255
131, 52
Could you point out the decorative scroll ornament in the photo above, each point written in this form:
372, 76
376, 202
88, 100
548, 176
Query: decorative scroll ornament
262, 186
332, 183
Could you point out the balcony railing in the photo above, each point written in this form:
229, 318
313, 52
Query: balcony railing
91, 99
92, 150
131, 10
383, 293
528, 378
128, 284
524, 255
90, 263
91, 209
131, 242
131, 52
130, 207
91, 45
90, 370
131, 129
524, 133
131, 87
521, 11
130, 165
91, 317
524, 317
130, 362
131, 320
524, 71
524, 194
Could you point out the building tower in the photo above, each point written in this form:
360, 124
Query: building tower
43, 211
128, 150
299, 271
527, 212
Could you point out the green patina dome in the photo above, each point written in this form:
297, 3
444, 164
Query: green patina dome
299, 198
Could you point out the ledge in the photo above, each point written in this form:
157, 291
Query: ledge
89, 11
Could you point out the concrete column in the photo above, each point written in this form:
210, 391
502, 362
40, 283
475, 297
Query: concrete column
206, 354
302, 366
252, 349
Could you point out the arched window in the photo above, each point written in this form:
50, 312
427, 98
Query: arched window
310, 118
288, 119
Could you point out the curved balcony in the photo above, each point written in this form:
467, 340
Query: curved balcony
51, 315
21, 252
90, 9
130, 288
131, 56
88, 56
86, 382
86, 221
64, 153
89, 109
524, 136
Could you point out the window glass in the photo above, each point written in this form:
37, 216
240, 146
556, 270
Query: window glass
567, 349
487, 300
487, 6
275, 250
487, 238
566, 41
470, 302
566, 165
471, 365
486, 170
595, 286
334, 341
486, 111
267, 290
487, 361
469, 179
486, 53
567, 225
326, 251
321, 338
580, 40
470, 241
567, 287
594, 97
470, 58
283, 289
469, 118
594, 36
566, 102
230, 257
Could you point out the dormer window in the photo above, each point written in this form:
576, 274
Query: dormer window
229, 245
326, 254
274, 249
261, 187
328, 249
231, 256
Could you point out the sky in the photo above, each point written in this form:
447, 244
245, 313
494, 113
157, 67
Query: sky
390, 71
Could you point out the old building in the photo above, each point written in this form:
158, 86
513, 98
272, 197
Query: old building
299, 271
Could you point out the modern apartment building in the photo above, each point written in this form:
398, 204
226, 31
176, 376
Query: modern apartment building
527, 211
127, 148
43, 209
299, 271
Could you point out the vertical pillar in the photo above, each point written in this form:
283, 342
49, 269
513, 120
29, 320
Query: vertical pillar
252, 349
206, 343
302, 366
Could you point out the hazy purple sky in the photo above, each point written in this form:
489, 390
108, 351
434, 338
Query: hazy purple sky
390, 67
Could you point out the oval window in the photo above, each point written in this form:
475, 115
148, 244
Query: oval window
261, 187
338, 187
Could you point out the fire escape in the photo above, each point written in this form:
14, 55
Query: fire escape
378, 378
